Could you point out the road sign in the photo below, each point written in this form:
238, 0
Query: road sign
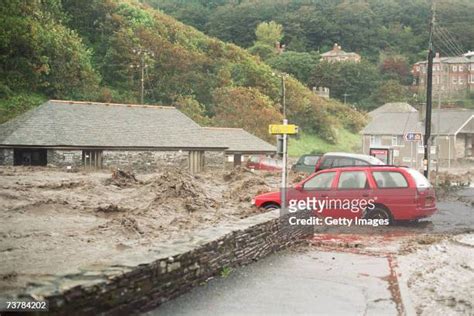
413, 137
280, 129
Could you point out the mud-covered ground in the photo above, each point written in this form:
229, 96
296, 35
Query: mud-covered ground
55, 222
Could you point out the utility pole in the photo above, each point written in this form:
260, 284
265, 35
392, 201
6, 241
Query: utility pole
429, 93
284, 175
284, 140
142, 53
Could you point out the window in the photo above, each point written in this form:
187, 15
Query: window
461, 81
342, 162
390, 179
420, 180
310, 160
358, 162
254, 159
352, 180
397, 140
455, 80
92, 159
455, 68
461, 68
320, 181
375, 140
472, 78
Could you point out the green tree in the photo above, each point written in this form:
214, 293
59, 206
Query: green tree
300, 65
390, 91
269, 33
355, 80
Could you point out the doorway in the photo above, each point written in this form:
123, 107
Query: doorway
29, 157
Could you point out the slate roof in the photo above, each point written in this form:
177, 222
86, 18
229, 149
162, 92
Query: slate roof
90, 124
393, 123
390, 123
240, 141
393, 107
449, 60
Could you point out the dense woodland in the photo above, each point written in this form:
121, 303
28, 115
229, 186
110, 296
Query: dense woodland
228, 74
87, 50
389, 34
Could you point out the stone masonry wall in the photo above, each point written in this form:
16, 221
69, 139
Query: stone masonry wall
143, 160
64, 158
6, 157
135, 160
147, 281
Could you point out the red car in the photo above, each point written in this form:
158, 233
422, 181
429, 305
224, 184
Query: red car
385, 192
264, 163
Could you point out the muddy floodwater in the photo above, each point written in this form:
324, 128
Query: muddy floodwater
54, 222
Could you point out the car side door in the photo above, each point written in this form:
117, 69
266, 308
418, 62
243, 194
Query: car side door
319, 189
352, 194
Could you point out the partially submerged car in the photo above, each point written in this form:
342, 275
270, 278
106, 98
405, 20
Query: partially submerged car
390, 193
264, 163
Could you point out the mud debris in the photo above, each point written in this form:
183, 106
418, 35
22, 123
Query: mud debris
121, 178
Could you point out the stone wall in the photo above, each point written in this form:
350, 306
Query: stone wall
64, 158
143, 160
135, 160
147, 281
6, 156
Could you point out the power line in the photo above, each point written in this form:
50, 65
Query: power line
456, 43
449, 41
446, 43
448, 50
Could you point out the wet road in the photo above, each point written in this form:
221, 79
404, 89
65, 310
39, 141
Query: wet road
319, 282
294, 283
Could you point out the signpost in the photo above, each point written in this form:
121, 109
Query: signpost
284, 129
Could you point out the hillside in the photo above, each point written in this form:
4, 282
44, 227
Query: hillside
89, 51
390, 35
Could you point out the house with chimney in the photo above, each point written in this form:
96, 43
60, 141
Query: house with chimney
338, 55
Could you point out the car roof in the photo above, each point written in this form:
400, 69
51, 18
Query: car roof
371, 167
348, 155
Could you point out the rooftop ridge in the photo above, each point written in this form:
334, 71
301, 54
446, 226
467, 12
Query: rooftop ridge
114, 104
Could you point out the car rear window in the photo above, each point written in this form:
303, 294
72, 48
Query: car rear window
352, 180
390, 179
420, 180
254, 159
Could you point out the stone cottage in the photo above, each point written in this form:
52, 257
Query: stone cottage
97, 135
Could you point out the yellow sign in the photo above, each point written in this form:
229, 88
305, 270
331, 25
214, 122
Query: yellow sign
276, 129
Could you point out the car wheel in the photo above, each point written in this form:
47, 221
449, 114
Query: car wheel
379, 213
271, 207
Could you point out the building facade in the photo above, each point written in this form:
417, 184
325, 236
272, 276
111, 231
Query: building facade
389, 129
453, 77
